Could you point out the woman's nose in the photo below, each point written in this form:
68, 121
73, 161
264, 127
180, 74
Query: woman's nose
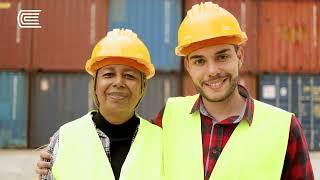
119, 81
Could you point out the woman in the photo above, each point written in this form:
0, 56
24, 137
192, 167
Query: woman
113, 142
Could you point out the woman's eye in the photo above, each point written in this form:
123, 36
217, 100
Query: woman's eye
108, 74
199, 61
129, 76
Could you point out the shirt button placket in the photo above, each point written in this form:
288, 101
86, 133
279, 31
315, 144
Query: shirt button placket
217, 150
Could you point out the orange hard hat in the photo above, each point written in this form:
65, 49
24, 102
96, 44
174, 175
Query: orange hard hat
208, 24
121, 46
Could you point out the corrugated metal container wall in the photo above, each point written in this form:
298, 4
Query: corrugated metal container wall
57, 98
156, 23
287, 36
246, 13
277, 90
249, 23
69, 31
15, 42
315, 112
188, 88
299, 94
316, 31
13, 113
247, 80
160, 88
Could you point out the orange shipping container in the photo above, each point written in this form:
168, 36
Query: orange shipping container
250, 82
316, 33
247, 80
246, 13
69, 31
15, 43
288, 36
188, 88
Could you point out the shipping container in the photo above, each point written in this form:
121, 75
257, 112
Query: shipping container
160, 88
249, 23
316, 31
13, 110
156, 23
70, 29
188, 89
249, 81
15, 43
57, 98
277, 90
299, 94
246, 13
287, 38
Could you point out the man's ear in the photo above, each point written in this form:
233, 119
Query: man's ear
240, 55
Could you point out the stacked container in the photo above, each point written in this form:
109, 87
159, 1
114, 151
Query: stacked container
299, 94
13, 106
43, 69
57, 98
59, 86
156, 23
289, 61
289, 36
14, 61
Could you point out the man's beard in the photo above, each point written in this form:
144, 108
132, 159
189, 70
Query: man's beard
229, 92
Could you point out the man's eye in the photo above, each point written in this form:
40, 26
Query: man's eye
222, 57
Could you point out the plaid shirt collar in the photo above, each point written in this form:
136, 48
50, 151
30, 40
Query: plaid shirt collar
247, 112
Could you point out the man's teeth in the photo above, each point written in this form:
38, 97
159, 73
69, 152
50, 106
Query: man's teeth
215, 84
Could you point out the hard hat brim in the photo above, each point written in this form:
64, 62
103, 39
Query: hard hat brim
187, 49
92, 68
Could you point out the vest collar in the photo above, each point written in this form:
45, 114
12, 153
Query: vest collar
247, 112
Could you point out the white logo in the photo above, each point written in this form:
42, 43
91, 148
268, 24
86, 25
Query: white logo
28, 18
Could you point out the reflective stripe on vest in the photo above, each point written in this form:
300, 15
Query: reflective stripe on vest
255, 152
81, 155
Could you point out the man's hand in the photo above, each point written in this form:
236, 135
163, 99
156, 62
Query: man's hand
43, 164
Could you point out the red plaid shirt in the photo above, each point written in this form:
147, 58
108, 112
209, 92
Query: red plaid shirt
297, 163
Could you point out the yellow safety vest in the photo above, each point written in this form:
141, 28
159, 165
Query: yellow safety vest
255, 152
81, 155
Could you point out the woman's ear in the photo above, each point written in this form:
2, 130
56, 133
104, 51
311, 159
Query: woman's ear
93, 90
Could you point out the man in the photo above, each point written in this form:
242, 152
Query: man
223, 133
